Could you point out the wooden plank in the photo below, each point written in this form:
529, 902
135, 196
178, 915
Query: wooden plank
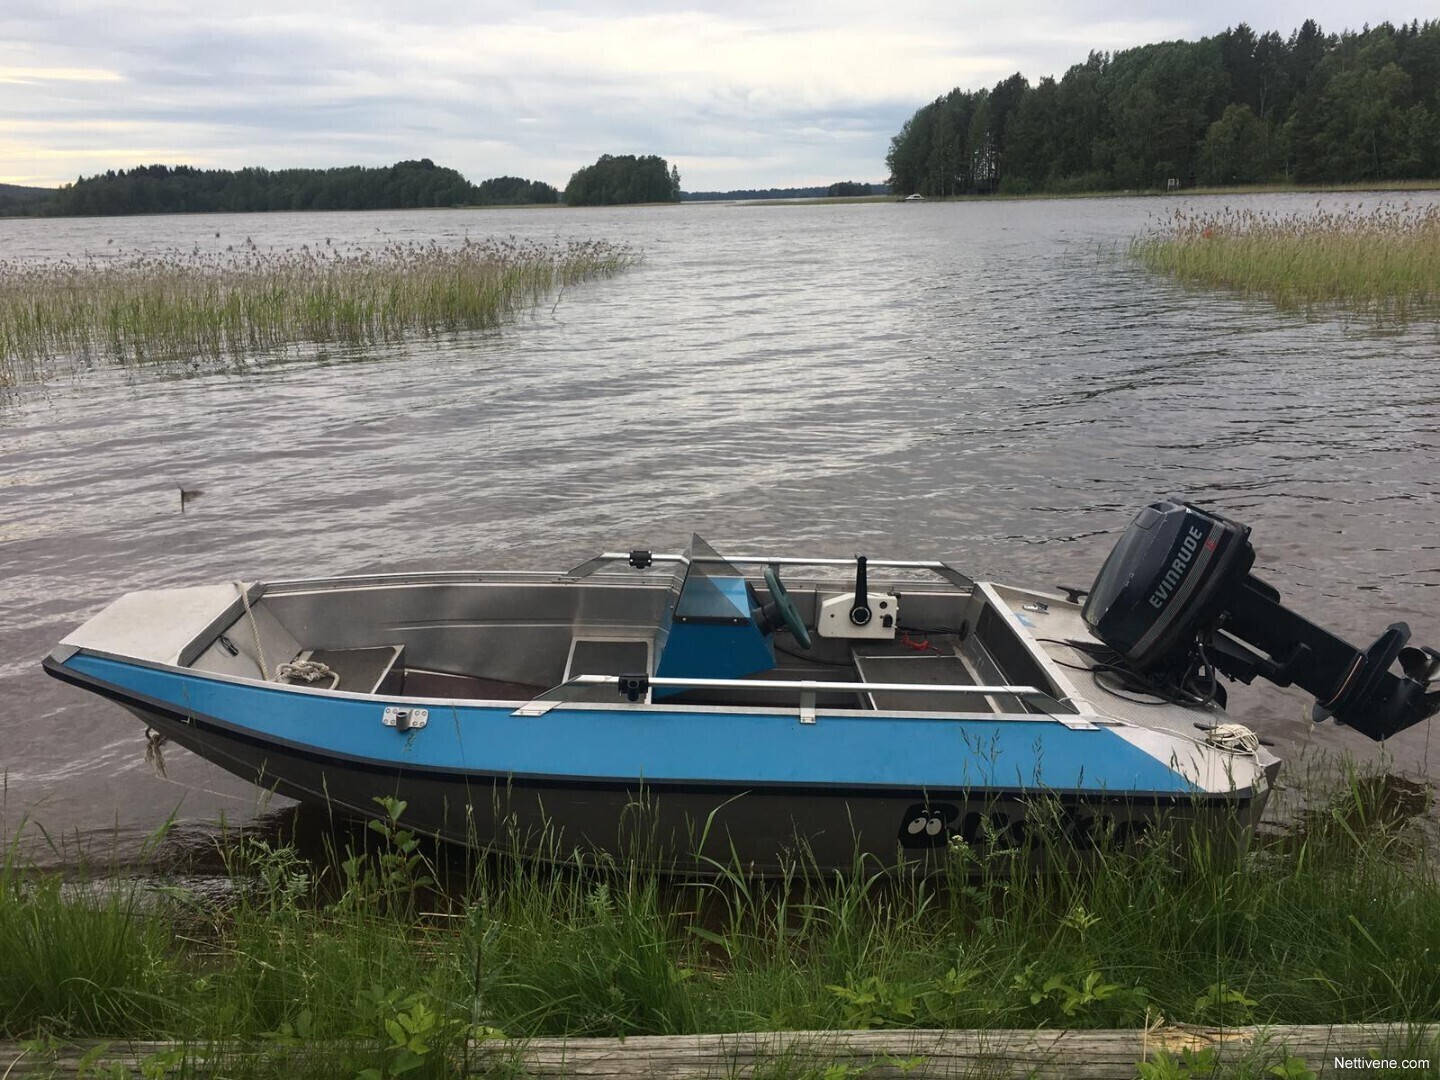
884, 1055
1083, 1055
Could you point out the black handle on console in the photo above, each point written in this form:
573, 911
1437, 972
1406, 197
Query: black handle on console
860, 610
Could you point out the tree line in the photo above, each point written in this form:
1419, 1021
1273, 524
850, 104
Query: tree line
15, 199
840, 188
742, 194
1236, 108
615, 180
167, 189
155, 189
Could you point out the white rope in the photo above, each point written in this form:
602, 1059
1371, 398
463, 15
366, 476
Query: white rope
254, 629
309, 670
1236, 738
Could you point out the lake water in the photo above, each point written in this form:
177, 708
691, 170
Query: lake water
988, 383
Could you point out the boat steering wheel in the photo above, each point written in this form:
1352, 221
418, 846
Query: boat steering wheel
785, 607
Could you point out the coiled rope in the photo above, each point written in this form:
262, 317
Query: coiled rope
308, 670
1237, 738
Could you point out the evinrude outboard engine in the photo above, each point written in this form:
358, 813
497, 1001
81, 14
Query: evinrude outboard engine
1176, 596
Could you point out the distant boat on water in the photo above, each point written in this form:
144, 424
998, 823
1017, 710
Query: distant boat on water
917, 197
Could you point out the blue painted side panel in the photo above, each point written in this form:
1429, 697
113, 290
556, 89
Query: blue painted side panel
660, 744
710, 634
714, 651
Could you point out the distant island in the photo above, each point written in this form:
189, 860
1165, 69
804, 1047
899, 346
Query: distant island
178, 189
165, 189
616, 181
1234, 109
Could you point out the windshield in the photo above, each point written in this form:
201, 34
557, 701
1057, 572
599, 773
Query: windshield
711, 588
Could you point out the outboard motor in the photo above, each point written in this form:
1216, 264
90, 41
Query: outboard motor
1176, 595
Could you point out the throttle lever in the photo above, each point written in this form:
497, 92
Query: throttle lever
860, 611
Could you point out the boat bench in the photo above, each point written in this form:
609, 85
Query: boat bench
605, 656
926, 668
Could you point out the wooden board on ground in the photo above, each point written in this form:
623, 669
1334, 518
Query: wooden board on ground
1340, 1050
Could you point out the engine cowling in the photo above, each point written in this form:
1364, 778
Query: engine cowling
1167, 581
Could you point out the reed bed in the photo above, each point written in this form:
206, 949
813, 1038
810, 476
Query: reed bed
1338, 920
1383, 262
247, 302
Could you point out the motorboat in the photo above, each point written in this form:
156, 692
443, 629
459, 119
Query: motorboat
697, 710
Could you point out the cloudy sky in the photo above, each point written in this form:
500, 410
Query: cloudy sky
737, 93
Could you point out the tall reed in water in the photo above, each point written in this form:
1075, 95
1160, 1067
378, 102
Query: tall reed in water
1384, 262
187, 306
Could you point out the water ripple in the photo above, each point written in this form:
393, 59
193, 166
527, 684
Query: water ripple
988, 383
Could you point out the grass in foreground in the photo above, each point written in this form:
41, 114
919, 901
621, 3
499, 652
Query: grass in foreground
1338, 923
242, 303
1385, 262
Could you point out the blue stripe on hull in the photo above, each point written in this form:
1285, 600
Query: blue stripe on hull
662, 745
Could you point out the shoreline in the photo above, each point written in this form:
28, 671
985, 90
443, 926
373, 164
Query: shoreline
1394, 187
1130, 193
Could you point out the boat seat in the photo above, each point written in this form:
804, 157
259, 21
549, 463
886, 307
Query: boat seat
922, 668
442, 684
606, 656
375, 670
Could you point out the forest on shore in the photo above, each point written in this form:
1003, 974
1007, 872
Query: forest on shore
1236, 108
838, 190
17, 199
179, 189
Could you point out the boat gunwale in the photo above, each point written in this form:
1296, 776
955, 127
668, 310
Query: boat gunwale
61, 656
654, 578
194, 719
